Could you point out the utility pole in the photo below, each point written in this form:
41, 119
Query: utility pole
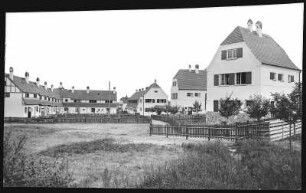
109, 95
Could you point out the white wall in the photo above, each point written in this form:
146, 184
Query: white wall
184, 101
268, 86
13, 105
248, 63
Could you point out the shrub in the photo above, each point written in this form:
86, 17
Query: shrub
229, 107
258, 107
20, 169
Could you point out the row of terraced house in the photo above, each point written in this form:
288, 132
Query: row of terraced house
247, 62
25, 98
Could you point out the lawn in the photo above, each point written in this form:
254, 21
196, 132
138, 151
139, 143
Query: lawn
128, 163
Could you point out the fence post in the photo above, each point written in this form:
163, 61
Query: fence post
294, 129
290, 137
167, 131
150, 128
186, 132
208, 134
236, 130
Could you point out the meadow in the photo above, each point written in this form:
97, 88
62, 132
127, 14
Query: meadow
125, 156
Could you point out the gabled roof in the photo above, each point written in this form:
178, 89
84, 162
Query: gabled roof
139, 94
30, 87
92, 95
265, 49
187, 80
124, 99
131, 105
90, 104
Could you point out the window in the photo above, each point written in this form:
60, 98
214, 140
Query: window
40, 97
36, 109
173, 95
66, 100
174, 83
92, 101
77, 101
216, 80
35, 95
231, 54
26, 95
150, 100
46, 98
281, 77
7, 94
197, 94
156, 91
227, 79
216, 106
272, 104
190, 94
272, 76
93, 110
290, 78
244, 78
147, 109
161, 100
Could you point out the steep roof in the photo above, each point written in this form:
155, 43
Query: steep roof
139, 94
92, 95
131, 105
187, 80
265, 48
124, 99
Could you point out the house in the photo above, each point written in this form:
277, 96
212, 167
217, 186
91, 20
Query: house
24, 98
249, 62
144, 99
123, 102
189, 86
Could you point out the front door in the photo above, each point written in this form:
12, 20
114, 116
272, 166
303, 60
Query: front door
29, 113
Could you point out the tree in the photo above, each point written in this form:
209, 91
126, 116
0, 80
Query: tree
258, 107
197, 106
288, 107
229, 107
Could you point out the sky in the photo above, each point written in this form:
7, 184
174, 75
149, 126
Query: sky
132, 48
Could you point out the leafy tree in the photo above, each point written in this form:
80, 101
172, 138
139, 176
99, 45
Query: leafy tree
258, 107
288, 107
197, 106
229, 107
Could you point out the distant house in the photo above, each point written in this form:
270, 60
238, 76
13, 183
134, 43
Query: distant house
189, 86
144, 99
249, 62
123, 102
24, 98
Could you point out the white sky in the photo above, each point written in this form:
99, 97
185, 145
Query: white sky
131, 48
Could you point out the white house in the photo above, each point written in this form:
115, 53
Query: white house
144, 99
123, 102
189, 86
24, 98
249, 62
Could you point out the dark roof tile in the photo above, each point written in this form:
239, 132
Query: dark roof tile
187, 80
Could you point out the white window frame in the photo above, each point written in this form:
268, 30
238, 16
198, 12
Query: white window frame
231, 54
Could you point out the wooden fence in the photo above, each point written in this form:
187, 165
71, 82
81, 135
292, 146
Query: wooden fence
80, 119
181, 119
247, 130
281, 130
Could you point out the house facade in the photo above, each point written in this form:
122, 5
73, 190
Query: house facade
189, 86
144, 99
24, 98
249, 62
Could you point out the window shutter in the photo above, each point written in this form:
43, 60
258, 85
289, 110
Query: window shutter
216, 105
216, 80
239, 53
249, 77
231, 79
223, 55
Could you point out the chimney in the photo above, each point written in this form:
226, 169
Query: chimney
87, 89
250, 25
37, 81
11, 73
136, 90
197, 68
45, 83
72, 89
155, 81
26, 74
61, 85
189, 68
114, 89
51, 87
259, 28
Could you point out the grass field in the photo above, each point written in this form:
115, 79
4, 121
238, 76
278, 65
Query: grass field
92, 168
125, 156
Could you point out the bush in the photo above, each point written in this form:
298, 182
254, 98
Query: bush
22, 170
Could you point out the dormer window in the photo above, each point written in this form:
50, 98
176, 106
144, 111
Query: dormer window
35, 95
174, 83
26, 95
231, 54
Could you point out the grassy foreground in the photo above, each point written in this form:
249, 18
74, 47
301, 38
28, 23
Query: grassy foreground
255, 165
